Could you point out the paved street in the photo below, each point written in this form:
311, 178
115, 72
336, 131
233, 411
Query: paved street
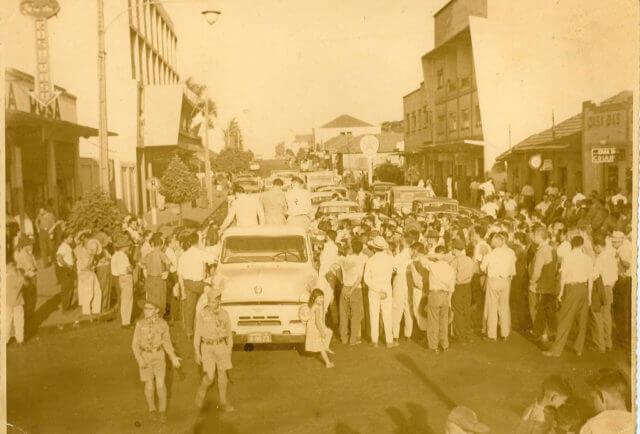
86, 380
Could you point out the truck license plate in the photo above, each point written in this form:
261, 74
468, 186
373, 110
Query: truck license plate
259, 338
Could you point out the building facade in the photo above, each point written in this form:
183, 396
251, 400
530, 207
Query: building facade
443, 126
349, 156
42, 148
591, 151
345, 125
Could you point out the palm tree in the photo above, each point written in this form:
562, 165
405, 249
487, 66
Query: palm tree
233, 135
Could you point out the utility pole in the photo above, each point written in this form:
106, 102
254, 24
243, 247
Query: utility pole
207, 161
102, 102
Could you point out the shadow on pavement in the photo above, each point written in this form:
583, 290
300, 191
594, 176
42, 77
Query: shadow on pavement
40, 315
211, 420
343, 428
413, 423
411, 365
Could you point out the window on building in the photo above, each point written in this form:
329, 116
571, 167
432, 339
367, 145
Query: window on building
452, 85
133, 39
465, 82
440, 76
466, 120
478, 120
453, 122
442, 121
406, 123
346, 133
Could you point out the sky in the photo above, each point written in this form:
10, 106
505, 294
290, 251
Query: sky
284, 66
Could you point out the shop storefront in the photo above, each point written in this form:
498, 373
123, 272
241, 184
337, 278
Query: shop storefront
42, 162
607, 151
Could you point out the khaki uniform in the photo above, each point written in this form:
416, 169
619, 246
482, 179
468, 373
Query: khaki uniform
150, 341
214, 329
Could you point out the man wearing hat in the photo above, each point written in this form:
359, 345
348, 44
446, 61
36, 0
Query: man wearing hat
65, 262
122, 271
89, 294
463, 420
26, 263
151, 340
377, 275
401, 299
213, 342
156, 266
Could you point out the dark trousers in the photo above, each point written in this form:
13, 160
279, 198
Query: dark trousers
193, 289
546, 320
477, 300
574, 308
461, 306
46, 246
67, 277
104, 278
519, 302
351, 314
622, 309
30, 295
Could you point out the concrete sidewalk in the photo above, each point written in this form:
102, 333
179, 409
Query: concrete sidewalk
47, 314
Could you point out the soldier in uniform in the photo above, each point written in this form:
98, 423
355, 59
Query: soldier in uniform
213, 343
151, 340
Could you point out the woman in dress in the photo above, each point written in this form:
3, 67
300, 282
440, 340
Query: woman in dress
318, 334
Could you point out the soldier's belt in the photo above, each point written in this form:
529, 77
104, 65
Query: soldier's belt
213, 341
150, 350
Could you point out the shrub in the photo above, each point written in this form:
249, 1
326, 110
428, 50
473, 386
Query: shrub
95, 211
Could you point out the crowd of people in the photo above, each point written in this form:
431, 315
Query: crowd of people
542, 269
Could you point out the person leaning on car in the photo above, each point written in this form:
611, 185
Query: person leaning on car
274, 204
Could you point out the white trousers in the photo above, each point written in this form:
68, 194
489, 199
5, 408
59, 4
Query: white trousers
497, 308
377, 306
89, 294
14, 316
126, 298
401, 309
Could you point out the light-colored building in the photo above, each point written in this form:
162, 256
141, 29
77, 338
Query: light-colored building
350, 157
591, 151
345, 125
443, 127
141, 60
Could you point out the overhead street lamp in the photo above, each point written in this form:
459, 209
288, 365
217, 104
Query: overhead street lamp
210, 15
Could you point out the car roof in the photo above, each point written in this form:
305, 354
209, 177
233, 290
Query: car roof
265, 230
408, 188
438, 200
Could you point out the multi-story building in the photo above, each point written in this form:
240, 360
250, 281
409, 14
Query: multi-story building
443, 126
345, 125
146, 106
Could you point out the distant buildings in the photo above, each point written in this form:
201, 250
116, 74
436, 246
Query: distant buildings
591, 151
443, 126
345, 125
347, 150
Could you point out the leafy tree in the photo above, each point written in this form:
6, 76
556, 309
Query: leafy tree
302, 155
388, 172
280, 151
232, 160
233, 136
95, 211
179, 184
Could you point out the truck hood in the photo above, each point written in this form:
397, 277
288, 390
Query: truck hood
279, 282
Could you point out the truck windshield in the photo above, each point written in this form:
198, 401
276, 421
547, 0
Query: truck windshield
251, 248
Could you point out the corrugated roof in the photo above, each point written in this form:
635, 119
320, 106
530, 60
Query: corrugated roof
346, 121
621, 97
344, 144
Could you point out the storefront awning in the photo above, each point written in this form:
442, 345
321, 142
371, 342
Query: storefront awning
533, 148
168, 113
20, 119
461, 146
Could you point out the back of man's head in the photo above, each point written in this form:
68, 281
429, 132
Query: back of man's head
611, 388
356, 246
278, 182
577, 241
332, 234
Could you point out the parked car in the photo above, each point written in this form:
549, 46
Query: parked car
403, 197
341, 209
380, 188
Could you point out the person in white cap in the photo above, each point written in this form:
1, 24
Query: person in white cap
377, 275
463, 420
213, 342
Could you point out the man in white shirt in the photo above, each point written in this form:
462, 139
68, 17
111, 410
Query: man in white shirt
606, 268
487, 188
351, 303
490, 207
400, 298
246, 210
121, 269
610, 392
449, 187
442, 282
65, 273
377, 276
299, 208
191, 274
500, 266
576, 283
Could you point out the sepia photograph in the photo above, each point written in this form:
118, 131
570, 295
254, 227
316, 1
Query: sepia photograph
329, 216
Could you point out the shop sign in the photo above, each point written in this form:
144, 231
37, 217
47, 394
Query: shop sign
607, 155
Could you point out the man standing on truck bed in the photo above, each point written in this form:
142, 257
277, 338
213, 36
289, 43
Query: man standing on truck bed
299, 204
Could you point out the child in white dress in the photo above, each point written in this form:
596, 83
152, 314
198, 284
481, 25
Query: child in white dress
318, 334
